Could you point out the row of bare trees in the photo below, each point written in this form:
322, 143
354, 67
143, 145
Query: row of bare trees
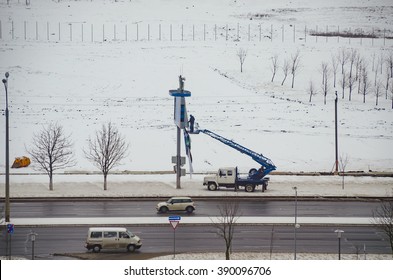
348, 70
52, 149
290, 66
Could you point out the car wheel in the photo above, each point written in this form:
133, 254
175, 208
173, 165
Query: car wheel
164, 209
189, 209
131, 248
249, 188
96, 248
212, 187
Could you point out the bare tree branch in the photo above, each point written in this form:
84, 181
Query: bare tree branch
52, 150
106, 150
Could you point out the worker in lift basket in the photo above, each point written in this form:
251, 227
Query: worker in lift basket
191, 122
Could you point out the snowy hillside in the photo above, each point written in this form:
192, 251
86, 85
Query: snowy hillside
84, 63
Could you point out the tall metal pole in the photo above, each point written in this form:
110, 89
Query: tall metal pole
7, 153
178, 155
339, 233
295, 226
336, 136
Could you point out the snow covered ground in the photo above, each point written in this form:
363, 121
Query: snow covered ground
58, 75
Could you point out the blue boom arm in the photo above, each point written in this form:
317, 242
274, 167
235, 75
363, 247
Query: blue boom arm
259, 158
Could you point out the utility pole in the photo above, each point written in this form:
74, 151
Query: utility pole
336, 135
7, 153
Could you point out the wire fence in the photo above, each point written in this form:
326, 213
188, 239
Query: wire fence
104, 32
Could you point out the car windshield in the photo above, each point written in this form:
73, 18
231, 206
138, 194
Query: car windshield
169, 200
130, 233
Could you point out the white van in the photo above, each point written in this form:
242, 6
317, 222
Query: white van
111, 238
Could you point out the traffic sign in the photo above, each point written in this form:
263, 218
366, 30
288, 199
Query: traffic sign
174, 221
10, 228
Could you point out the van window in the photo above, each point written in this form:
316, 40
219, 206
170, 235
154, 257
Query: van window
123, 235
229, 172
110, 234
96, 234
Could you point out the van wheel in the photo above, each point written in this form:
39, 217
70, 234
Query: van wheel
189, 209
164, 209
131, 248
249, 188
212, 187
96, 248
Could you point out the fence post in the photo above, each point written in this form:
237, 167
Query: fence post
305, 33
271, 32
372, 38
59, 32
47, 30
92, 33
71, 32
204, 32
238, 27
294, 33
215, 32
282, 33
249, 32
24, 30
338, 33
36, 30
137, 32
159, 31
1, 33
326, 34
316, 34
12, 29
361, 36
349, 37
103, 32
260, 32
226, 33
193, 32
384, 36
114, 32
126, 33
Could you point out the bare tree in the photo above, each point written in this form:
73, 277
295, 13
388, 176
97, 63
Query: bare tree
325, 76
295, 65
242, 54
386, 87
343, 82
343, 161
274, 65
107, 149
391, 90
334, 69
285, 70
351, 85
378, 92
389, 62
226, 222
52, 150
342, 58
312, 90
365, 82
383, 217
352, 61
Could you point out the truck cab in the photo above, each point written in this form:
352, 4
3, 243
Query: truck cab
225, 177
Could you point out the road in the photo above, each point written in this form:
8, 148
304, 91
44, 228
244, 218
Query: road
51, 240
194, 238
115, 208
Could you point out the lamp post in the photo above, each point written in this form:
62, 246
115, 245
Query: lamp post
296, 225
339, 233
7, 153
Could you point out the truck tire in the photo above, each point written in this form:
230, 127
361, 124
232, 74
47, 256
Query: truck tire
249, 188
264, 187
212, 187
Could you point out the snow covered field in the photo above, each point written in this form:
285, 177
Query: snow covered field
125, 79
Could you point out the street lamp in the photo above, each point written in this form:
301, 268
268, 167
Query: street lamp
339, 233
7, 153
296, 225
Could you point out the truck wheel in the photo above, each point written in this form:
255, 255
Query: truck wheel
164, 209
212, 187
131, 248
189, 209
264, 187
249, 188
96, 248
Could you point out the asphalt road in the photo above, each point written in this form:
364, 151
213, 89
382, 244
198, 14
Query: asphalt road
115, 208
159, 239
